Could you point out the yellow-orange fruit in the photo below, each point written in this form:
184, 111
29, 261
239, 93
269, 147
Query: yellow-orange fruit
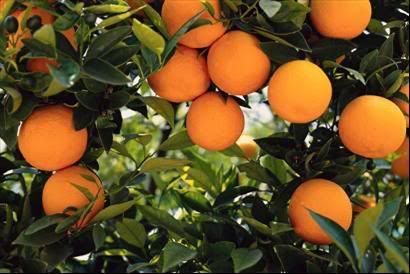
400, 166
237, 64
60, 193
48, 139
249, 147
215, 123
364, 202
325, 198
342, 19
183, 78
372, 126
404, 106
176, 13
299, 92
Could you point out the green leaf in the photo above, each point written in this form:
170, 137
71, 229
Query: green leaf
339, 236
394, 250
390, 210
55, 254
202, 179
162, 107
98, 237
107, 8
40, 238
116, 19
244, 258
16, 98
177, 141
257, 172
113, 211
363, 225
107, 41
230, 194
356, 74
148, 37
85, 191
163, 219
43, 223
104, 72
271, 8
175, 254
278, 228
196, 201
119, 99
132, 232
163, 164
46, 35
258, 226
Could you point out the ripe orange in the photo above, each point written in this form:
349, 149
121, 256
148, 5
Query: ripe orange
176, 13
372, 126
215, 123
299, 92
364, 202
60, 194
404, 106
48, 140
325, 198
249, 147
183, 78
343, 19
400, 166
237, 64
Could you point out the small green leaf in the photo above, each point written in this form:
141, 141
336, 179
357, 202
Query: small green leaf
113, 211
132, 232
177, 141
98, 236
162, 107
175, 254
103, 71
148, 37
245, 258
43, 223
107, 8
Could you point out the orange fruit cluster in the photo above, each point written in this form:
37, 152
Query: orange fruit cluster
48, 141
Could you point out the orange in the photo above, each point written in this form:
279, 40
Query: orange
404, 106
372, 126
60, 194
400, 166
249, 147
237, 64
364, 202
48, 140
176, 13
299, 92
325, 198
183, 78
342, 19
215, 123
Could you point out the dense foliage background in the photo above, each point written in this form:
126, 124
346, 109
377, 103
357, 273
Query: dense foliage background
171, 206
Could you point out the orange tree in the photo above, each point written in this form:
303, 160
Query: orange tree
122, 143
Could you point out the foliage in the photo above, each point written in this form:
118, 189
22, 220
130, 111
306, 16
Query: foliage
171, 207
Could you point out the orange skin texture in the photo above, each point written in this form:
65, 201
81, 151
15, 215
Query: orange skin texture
342, 19
176, 13
214, 123
325, 198
372, 126
183, 78
249, 147
237, 64
59, 194
400, 166
404, 106
299, 92
365, 202
48, 139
